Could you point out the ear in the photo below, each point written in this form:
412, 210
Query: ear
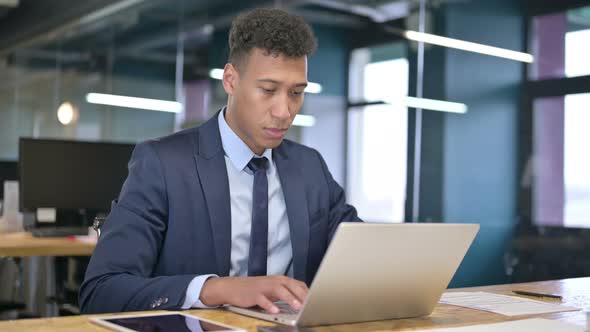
230, 78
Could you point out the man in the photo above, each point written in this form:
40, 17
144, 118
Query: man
229, 212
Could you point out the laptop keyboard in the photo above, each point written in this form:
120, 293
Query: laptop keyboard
286, 308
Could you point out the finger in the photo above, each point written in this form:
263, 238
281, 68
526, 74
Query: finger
266, 304
284, 294
304, 285
298, 288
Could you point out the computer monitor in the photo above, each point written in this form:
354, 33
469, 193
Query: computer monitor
8, 172
71, 175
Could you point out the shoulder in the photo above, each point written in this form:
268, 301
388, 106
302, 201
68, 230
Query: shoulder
304, 155
297, 150
181, 138
168, 148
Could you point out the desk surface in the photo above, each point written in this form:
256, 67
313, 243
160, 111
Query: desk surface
575, 292
24, 245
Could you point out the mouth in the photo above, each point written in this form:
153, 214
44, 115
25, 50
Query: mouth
275, 133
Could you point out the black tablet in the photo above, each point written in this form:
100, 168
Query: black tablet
177, 322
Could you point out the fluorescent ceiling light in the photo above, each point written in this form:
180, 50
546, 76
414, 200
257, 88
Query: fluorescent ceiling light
468, 46
134, 102
217, 74
428, 104
313, 87
304, 120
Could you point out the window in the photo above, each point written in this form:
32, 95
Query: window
559, 93
577, 160
377, 139
562, 181
559, 42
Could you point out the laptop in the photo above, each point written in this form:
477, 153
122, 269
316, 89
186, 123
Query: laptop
375, 271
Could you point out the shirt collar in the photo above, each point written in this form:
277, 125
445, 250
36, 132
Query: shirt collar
235, 149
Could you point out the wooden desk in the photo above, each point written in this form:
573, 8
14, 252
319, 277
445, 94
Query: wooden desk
39, 254
575, 292
25, 245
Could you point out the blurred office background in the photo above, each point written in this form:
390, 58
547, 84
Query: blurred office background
508, 153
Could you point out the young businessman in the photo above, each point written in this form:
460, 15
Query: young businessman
229, 212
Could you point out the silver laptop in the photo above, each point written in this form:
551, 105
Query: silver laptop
379, 271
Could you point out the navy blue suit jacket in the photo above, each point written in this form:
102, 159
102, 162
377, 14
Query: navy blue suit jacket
172, 220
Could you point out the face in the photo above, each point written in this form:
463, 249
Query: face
264, 97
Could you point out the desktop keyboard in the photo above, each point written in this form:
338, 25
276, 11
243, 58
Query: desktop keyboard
58, 231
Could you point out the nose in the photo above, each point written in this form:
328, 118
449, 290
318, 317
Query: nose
281, 109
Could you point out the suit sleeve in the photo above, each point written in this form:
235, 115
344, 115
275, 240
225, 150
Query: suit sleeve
119, 275
339, 210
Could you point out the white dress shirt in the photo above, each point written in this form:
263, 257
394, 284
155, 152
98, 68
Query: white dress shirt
237, 157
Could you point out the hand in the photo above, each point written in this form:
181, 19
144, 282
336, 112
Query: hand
250, 291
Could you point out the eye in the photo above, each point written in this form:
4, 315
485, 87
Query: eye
297, 93
269, 91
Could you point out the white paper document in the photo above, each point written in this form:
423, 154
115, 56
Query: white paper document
525, 325
502, 304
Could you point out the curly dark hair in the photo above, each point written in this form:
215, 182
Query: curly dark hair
273, 30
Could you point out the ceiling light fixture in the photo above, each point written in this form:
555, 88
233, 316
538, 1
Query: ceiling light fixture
217, 74
468, 46
303, 120
134, 102
67, 113
428, 104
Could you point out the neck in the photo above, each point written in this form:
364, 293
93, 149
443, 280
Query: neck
232, 123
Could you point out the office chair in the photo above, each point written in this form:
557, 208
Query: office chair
97, 223
13, 304
75, 267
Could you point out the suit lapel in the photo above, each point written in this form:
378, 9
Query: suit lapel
212, 173
296, 203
